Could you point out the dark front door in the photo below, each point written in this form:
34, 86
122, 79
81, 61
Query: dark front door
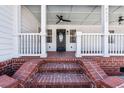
61, 39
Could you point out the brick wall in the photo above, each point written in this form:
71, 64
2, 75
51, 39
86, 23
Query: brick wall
8, 82
93, 71
28, 69
98, 75
9, 67
111, 65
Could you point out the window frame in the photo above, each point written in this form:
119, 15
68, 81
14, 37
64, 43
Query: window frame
72, 36
49, 36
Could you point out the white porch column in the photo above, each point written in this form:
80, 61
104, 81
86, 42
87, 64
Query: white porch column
78, 44
105, 21
43, 31
16, 27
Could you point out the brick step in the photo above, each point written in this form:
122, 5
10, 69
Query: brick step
60, 67
59, 80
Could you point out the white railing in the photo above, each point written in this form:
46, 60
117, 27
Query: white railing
30, 43
116, 44
87, 44
91, 43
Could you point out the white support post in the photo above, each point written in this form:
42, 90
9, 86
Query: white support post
78, 51
43, 31
16, 28
105, 21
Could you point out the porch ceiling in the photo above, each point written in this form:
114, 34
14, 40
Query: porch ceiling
79, 15
114, 13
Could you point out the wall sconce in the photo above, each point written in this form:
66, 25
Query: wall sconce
67, 32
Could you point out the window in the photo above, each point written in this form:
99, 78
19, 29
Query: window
73, 36
111, 38
49, 36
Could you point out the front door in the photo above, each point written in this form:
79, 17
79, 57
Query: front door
61, 40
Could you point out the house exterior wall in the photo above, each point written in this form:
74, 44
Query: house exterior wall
29, 24
7, 31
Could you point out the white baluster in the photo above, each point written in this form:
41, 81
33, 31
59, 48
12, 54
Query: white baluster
81, 44
116, 43
33, 44
20, 44
84, 44
29, 44
110, 44
122, 43
100, 44
94, 40
41, 44
113, 47
97, 43
36, 43
88, 44
91, 44
23, 43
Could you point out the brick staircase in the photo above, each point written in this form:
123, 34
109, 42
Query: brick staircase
35, 72
60, 74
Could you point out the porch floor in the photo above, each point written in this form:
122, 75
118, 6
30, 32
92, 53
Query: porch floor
61, 55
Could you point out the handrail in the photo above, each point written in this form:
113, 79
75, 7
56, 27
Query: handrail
30, 34
92, 34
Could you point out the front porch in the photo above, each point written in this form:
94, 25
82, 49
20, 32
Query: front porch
102, 39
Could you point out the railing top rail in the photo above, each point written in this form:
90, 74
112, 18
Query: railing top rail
101, 34
92, 34
30, 34
116, 34
70, 35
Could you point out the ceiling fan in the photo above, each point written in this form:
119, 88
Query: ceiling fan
120, 19
61, 19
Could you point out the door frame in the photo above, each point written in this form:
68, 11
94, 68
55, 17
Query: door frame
64, 37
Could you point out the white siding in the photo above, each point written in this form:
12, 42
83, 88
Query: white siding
29, 24
7, 31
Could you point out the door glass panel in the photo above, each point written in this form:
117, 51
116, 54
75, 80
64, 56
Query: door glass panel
60, 37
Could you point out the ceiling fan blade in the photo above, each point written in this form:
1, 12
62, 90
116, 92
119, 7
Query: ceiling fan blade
58, 22
66, 20
58, 16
